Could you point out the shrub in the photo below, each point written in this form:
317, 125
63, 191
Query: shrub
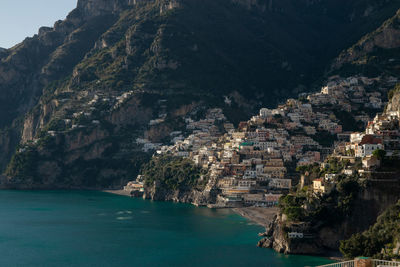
378, 241
291, 205
172, 172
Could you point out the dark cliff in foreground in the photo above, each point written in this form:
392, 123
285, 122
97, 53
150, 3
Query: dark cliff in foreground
324, 232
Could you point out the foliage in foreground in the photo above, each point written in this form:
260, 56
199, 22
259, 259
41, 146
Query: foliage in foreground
379, 241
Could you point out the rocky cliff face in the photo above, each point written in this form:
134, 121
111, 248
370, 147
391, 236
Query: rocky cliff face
75, 96
375, 53
276, 237
189, 195
394, 103
325, 240
50, 55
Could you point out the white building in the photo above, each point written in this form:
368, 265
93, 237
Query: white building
294, 235
366, 149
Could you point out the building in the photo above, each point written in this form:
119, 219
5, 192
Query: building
294, 235
134, 186
257, 200
318, 186
280, 183
367, 146
371, 162
321, 187
272, 199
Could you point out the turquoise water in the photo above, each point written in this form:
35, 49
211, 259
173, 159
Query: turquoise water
99, 229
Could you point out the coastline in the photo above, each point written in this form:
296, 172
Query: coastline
258, 215
261, 216
110, 222
119, 192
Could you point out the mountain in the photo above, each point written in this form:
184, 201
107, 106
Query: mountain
74, 97
375, 54
250, 46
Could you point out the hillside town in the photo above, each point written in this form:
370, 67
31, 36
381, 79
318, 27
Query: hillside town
255, 164
363, 152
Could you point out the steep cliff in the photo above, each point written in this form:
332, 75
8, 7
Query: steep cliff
322, 236
394, 103
74, 97
375, 54
168, 178
189, 195
381, 240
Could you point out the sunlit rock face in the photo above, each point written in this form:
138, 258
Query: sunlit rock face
101, 7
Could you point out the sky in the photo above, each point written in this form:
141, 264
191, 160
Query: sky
23, 18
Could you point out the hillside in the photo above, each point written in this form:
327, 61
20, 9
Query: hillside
75, 97
382, 240
375, 54
353, 209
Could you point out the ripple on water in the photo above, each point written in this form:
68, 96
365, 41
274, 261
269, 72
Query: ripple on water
143, 233
124, 218
124, 212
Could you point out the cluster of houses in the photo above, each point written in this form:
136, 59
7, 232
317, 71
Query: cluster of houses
254, 164
350, 94
86, 108
381, 134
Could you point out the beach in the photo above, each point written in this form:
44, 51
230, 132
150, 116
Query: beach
261, 216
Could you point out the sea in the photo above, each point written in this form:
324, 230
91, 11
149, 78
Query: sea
89, 228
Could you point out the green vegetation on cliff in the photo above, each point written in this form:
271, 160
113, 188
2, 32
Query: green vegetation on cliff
323, 209
382, 240
173, 173
375, 54
23, 164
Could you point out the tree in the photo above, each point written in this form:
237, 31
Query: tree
379, 154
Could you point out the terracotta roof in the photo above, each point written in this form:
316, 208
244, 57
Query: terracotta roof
370, 139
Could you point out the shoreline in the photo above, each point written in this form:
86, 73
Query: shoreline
258, 215
120, 192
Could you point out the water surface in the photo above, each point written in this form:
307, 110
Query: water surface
79, 228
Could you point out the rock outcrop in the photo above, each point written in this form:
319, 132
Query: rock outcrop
276, 237
375, 53
323, 238
188, 195
394, 104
